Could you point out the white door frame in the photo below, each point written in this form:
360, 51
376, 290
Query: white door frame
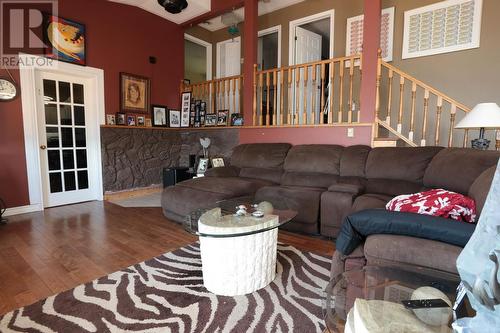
308, 19
208, 47
272, 30
217, 59
28, 68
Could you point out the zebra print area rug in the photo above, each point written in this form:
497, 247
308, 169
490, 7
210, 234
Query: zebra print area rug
166, 294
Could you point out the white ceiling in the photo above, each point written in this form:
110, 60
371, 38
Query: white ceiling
195, 8
264, 8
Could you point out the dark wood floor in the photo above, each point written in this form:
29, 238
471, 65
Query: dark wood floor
44, 253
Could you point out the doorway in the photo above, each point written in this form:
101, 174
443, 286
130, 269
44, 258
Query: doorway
63, 107
229, 58
197, 59
311, 40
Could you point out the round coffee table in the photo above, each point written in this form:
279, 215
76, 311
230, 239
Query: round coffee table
238, 254
377, 293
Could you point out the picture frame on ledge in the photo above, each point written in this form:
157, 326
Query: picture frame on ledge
121, 119
222, 117
141, 121
131, 120
237, 119
174, 118
202, 166
135, 91
211, 120
185, 108
159, 116
148, 122
217, 162
110, 119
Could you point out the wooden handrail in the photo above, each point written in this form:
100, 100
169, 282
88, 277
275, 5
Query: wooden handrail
355, 57
426, 87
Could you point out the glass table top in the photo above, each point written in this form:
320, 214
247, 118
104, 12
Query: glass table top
234, 226
384, 288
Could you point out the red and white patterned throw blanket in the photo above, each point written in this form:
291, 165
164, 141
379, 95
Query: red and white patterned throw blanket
437, 203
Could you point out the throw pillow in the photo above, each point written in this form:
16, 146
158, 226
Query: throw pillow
438, 202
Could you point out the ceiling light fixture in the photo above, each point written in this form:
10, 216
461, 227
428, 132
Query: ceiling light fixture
173, 6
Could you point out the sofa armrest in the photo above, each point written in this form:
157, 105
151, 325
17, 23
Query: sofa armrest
229, 171
354, 189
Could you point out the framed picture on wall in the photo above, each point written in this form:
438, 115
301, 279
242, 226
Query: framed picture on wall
64, 39
159, 115
135, 93
174, 117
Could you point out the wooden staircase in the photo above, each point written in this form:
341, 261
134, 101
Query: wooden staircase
412, 113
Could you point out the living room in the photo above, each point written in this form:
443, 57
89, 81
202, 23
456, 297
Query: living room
233, 165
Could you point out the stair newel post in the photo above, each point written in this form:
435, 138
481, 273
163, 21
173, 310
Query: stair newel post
453, 115
377, 97
413, 104
439, 111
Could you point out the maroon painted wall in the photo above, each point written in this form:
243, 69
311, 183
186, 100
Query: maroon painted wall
120, 38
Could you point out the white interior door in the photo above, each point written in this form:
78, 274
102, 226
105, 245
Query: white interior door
308, 46
229, 58
68, 150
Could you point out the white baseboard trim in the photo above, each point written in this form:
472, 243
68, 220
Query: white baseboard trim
23, 210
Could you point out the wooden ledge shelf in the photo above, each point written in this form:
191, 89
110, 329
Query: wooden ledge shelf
171, 128
238, 127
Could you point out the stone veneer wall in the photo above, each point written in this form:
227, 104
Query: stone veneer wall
134, 158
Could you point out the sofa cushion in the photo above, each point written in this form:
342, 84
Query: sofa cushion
308, 179
272, 175
455, 169
260, 155
404, 250
305, 200
391, 187
481, 187
399, 163
231, 186
314, 159
369, 201
353, 161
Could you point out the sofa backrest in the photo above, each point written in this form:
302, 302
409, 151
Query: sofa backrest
456, 169
312, 165
260, 160
397, 170
353, 161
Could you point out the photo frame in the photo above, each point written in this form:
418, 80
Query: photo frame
148, 122
174, 118
237, 119
185, 108
141, 121
135, 93
202, 166
110, 119
131, 120
120, 119
222, 117
65, 39
159, 116
210, 120
217, 162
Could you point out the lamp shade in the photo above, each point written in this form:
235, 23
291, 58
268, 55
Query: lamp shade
483, 115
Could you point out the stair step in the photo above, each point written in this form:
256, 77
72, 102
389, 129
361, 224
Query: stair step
386, 142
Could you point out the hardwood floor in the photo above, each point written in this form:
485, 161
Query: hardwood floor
44, 253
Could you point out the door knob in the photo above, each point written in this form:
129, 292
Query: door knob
43, 147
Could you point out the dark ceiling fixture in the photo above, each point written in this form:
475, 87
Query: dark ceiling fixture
173, 6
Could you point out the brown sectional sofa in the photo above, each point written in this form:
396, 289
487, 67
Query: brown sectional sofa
325, 183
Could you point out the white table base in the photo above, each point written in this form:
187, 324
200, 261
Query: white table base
239, 265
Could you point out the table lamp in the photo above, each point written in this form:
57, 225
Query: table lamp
482, 116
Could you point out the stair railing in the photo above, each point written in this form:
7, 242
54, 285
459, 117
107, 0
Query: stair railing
311, 94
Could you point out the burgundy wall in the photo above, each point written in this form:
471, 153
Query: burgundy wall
308, 135
119, 39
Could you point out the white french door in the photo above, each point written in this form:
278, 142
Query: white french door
68, 149
307, 49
